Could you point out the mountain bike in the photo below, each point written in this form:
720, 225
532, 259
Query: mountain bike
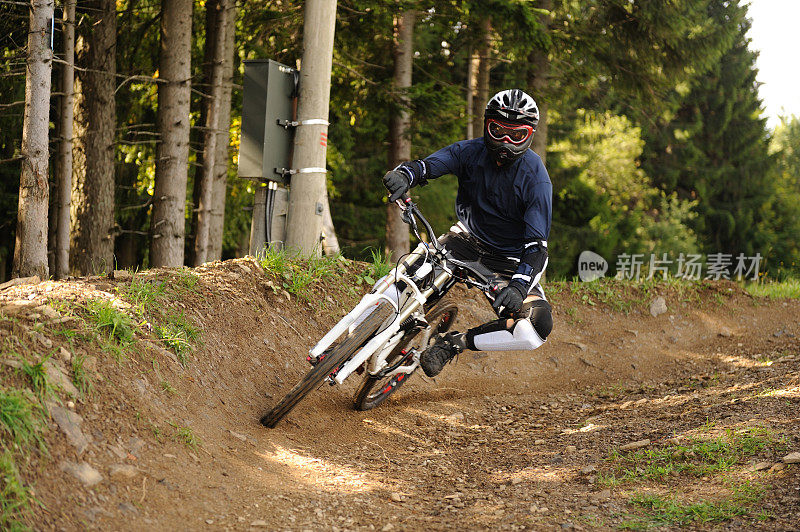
386, 332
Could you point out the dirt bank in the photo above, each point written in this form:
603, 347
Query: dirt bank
708, 390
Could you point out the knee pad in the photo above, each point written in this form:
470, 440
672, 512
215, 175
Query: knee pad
542, 317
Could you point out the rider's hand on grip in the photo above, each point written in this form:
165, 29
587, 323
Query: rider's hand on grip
509, 300
397, 183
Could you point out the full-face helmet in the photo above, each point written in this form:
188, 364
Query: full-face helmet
509, 122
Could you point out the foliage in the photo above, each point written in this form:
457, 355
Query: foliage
781, 218
179, 334
21, 418
15, 496
112, 322
788, 288
696, 457
660, 510
604, 201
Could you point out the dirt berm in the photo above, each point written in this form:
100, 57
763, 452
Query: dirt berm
621, 420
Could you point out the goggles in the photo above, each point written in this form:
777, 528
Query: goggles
515, 134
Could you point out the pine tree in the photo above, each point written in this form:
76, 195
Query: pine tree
715, 149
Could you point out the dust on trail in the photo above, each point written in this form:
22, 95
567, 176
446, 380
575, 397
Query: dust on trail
498, 441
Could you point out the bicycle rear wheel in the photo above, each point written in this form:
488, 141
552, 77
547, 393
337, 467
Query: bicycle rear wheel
375, 390
331, 362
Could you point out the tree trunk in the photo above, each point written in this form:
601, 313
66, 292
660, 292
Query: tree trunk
92, 247
482, 76
172, 155
30, 248
397, 239
221, 157
211, 135
538, 78
307, 194
472, 83
64, 180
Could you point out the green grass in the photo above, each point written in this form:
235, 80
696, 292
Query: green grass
183, 281
789, 289
623, 295
144, 294
148, 295
299, 273
696, 458
657, 510
179, 334
21, 418
114, 323
80, 377
169, 388
15, 498
275, 260
378, 267
37, 377
185, 435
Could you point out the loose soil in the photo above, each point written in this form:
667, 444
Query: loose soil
515, 440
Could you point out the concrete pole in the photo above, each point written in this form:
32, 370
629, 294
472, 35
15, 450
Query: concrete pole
307, 192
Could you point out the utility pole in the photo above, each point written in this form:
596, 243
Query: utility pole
307, 193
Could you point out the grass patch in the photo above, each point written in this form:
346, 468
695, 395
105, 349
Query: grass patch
144, 294
169, 388
275, 260
186, 436
789, 289
179, 334
299, 274
21, 418
80, 377
696, 458
183, 281
15, 497
37, 377
378, 267
658, 510
113, 323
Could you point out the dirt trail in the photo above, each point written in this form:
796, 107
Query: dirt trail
498, 441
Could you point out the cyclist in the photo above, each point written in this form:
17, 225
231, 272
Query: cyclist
504, 208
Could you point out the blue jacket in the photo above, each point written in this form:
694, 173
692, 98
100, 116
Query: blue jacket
509, 207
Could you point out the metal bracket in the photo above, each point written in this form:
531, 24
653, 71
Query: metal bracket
286, 124
286, 173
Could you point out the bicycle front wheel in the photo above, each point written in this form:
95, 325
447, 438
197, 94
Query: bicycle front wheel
330, 363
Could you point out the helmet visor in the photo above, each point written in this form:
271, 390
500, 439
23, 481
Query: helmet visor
515, 134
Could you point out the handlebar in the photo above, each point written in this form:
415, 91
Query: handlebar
410, 213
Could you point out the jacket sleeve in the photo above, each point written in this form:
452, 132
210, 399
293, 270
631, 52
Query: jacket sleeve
448, 160
537, 218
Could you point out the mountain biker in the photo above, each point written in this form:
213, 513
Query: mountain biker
504, 208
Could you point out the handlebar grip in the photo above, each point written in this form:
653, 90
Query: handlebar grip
403, 200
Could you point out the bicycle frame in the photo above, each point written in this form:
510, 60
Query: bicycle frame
413, 298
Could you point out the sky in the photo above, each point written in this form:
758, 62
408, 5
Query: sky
776, 36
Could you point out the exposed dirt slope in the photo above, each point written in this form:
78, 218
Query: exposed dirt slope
501, 440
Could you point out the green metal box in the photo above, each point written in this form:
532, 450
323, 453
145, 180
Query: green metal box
267, 99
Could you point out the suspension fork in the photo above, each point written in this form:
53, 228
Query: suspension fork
379, 341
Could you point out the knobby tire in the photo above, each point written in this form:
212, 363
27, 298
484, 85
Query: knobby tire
342, 352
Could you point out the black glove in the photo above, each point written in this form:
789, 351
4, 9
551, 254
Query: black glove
397, 183
510, 299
